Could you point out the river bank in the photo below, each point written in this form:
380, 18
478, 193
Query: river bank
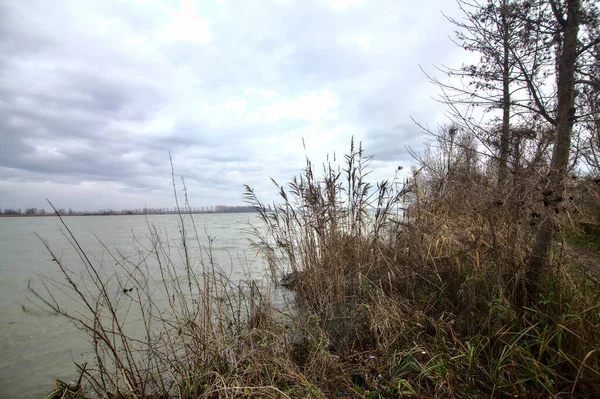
385, 305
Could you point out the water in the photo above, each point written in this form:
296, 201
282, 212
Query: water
37, 348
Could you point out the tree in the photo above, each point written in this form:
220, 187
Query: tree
568, 17
589, 143
497, 31
539, 61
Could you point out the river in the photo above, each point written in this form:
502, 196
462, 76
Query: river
37, 348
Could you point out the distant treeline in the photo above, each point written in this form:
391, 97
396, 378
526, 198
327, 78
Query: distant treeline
138, 211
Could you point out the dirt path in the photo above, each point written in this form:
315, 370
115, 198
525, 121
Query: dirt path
589, 257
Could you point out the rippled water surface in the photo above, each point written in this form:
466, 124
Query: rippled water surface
37, 348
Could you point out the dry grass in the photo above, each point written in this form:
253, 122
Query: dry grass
398, 293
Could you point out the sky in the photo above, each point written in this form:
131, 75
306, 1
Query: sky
95, 94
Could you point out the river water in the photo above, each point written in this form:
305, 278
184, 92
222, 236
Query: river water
35, 347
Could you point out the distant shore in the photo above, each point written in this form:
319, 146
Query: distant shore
22, 215
130, 212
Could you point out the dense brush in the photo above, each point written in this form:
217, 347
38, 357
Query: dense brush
408, 287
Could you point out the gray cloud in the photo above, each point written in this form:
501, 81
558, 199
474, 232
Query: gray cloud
94, 95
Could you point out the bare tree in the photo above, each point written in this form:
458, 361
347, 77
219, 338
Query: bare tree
499, 32
569, 16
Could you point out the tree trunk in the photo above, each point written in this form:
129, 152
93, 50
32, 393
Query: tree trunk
554, 193
505, 134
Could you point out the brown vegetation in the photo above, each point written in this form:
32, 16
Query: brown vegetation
410, 289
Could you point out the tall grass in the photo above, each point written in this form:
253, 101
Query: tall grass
433, 292
396, 294
178, 325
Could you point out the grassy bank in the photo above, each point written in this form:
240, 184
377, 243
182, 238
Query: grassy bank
411, 288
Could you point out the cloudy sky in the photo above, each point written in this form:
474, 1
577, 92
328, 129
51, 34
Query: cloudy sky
94, 94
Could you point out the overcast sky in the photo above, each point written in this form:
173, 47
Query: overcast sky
94, 94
